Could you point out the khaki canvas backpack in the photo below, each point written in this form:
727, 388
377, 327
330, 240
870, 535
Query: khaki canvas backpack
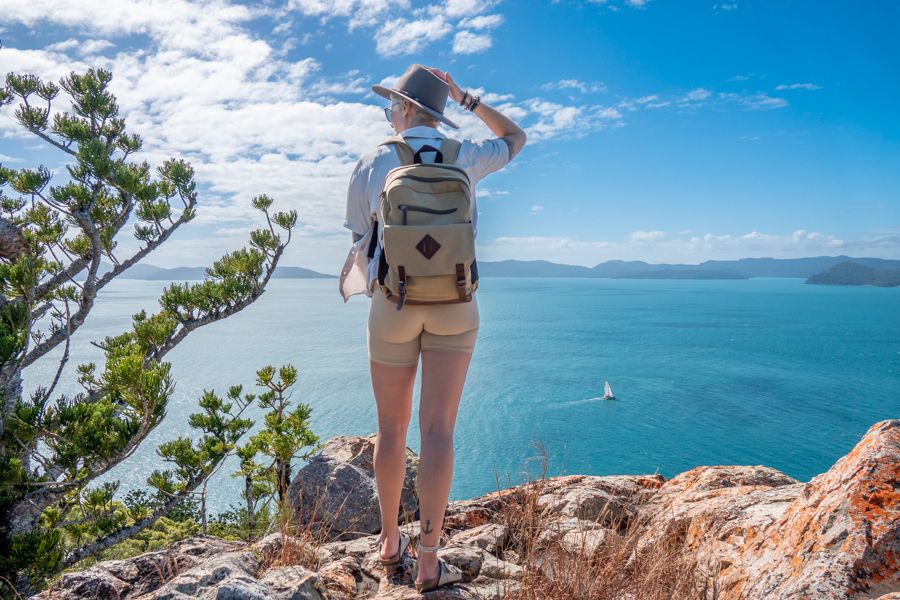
425, 210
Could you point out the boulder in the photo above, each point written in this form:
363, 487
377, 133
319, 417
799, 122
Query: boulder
840, 538
335, 492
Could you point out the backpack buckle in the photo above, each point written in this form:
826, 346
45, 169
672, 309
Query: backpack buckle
461, 281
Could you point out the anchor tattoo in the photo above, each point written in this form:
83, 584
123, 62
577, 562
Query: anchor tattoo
428, 528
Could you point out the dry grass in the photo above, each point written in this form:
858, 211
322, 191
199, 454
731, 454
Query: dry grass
301, 541
612, 570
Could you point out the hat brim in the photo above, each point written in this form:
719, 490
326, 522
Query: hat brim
386, 93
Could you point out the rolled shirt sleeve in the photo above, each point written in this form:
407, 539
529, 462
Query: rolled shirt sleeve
489, 155
358, 217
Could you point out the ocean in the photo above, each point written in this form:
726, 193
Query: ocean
765, 371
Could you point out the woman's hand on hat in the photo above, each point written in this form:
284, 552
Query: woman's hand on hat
455, 92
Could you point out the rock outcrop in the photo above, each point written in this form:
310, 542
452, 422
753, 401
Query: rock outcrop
759, 534
335, 491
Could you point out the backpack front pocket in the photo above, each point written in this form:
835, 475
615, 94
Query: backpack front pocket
429, 249
429, 255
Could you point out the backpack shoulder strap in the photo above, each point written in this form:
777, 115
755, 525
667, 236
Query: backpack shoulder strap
450, 150
403, 150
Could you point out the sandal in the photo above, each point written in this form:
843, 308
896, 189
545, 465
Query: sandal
447, 573
395, 558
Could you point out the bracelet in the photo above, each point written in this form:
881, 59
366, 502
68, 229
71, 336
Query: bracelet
474, 103
463, 101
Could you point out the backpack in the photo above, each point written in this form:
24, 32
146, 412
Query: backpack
425, 210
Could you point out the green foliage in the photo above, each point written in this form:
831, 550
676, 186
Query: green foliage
237, 523
162, 533
177, 524
53, 448
13, 330
221, 427
267, 456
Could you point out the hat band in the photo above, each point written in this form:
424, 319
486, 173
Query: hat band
417, 99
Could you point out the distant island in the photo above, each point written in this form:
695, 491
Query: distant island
152, 272
838, 270
744, 268
851, 273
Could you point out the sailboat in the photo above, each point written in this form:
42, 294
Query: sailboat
607, 391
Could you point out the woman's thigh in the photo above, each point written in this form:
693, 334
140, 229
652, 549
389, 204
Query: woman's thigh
447, 345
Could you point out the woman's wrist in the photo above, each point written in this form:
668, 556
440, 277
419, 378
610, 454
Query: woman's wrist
469, 102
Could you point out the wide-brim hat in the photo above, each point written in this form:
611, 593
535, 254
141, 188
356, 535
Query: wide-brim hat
423, 88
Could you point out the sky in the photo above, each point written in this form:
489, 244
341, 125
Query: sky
657, 130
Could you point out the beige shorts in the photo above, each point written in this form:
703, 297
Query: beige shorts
395, 337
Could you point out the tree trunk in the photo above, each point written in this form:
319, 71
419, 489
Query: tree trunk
248, 495
283, 476
203, 508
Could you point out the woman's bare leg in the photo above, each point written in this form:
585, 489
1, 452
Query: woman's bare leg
393, 387
443, 377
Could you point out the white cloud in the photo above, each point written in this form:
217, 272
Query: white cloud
537, 208
755, 101
349, 83
361, 13
646, 236
404, 36
615, 7
704, 97
725, 6
663, 247
697, 94
481, 22
401, 29
467, 42
178, 24
574, 84
798, 86
462, 8
558, 120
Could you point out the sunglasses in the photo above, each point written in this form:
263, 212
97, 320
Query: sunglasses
388, 111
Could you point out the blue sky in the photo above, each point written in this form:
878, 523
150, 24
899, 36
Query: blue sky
658, 130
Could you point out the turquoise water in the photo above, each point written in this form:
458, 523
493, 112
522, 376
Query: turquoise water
761, 371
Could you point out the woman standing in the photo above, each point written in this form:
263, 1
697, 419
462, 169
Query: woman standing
444, 334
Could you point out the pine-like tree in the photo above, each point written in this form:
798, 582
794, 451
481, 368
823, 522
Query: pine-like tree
267, 456
52, 239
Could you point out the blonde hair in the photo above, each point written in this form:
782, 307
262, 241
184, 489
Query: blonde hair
420, 116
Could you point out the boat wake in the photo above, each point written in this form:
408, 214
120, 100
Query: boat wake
582, 400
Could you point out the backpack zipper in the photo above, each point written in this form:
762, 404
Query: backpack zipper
420, 178
433, 211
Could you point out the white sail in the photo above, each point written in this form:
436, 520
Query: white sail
607, 391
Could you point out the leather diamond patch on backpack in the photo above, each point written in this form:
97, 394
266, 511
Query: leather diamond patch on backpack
428, 246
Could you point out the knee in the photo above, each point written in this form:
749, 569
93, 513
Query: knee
437, 434
392, 434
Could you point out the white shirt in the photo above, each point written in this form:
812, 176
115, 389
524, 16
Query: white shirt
477, 158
